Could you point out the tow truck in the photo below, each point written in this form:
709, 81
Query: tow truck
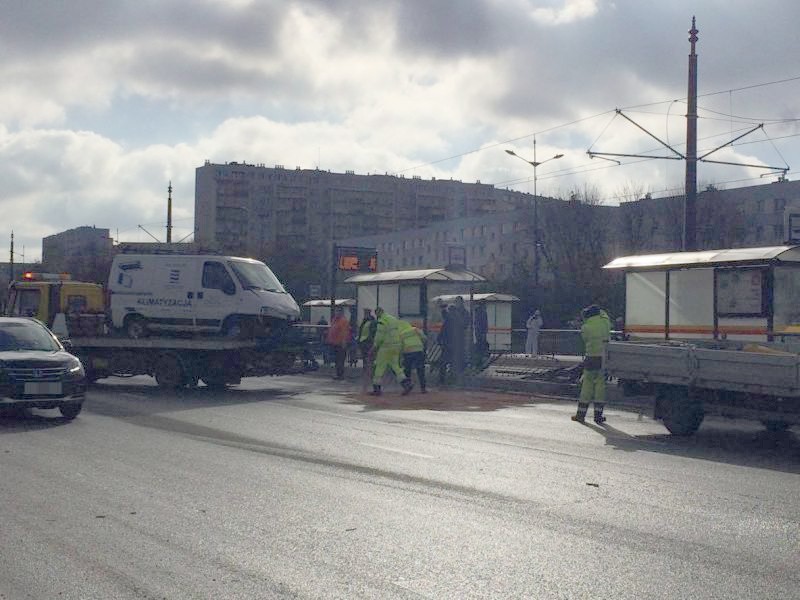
77, 313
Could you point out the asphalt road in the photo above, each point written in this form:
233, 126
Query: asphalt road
300, 488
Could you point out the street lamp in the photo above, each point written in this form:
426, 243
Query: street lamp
536, 241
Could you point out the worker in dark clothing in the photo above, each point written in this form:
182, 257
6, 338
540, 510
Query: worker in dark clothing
457, 325
481, 333
442, 340
366, 337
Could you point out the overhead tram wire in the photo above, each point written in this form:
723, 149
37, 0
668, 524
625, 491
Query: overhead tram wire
583, 119
516, 139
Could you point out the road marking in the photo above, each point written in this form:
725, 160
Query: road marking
408, 453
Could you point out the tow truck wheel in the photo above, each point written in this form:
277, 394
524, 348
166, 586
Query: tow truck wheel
169, 372
776, 425
135, 326
214, 383
680, 413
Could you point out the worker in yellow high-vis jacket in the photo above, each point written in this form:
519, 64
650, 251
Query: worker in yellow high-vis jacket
387, 348
595, 332
412, 342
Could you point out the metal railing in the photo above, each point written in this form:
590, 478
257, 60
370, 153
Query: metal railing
551, 341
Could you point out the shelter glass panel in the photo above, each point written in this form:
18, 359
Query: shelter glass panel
786, 292
740, 292
409, 305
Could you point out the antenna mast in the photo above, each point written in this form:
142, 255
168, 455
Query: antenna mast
690, 199
169, 213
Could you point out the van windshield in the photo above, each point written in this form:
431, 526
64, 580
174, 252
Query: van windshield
256, 276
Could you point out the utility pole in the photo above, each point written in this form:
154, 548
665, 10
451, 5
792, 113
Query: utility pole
689, 233
11, 263
536, 235
690, 199
169, 213
537, 240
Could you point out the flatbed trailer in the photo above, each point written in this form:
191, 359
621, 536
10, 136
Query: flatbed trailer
183, 362
691, 381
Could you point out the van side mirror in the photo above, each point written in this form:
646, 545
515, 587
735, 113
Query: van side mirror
229, 288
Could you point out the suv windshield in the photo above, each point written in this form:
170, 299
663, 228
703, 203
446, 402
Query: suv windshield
254, 275
18, 335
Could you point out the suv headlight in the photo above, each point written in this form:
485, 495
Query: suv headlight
75, 370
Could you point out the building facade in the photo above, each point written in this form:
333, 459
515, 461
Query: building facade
82, 251
743, 217
258, 211
498, 244
248, 209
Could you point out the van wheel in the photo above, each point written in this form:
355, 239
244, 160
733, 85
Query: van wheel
135, 326
238, 328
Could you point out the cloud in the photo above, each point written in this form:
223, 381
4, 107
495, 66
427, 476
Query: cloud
103, 103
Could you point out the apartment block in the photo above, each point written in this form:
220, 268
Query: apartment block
248, 209
69, 249
736, 218
494, 245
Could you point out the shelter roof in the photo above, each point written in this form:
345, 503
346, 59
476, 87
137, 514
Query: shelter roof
337, 302
707, 258
493, 297
443, 274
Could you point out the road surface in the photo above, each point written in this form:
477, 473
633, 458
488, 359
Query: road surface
299, 487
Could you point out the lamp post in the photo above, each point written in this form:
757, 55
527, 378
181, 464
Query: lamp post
536, 241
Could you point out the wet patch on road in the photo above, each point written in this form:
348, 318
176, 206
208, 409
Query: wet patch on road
443, 400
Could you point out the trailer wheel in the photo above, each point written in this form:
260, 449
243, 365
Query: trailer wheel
681, 413
169, 372
135, 326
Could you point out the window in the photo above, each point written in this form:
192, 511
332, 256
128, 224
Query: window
76, 304
216, 277
787, 288
26, 303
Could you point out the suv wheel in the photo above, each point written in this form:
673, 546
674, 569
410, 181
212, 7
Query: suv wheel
71, 410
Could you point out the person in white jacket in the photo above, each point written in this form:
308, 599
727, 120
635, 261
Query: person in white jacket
534, 325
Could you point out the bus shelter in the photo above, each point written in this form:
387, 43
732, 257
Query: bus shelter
738, 294
498, 313
409, 294
314, 310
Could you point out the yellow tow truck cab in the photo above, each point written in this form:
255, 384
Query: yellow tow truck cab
51, 297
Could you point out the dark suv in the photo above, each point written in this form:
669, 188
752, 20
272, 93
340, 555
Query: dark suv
36, 371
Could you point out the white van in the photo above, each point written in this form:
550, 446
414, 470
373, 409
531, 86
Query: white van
238, 297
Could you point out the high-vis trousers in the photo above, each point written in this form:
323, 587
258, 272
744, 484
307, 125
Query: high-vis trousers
387, 358
593, 386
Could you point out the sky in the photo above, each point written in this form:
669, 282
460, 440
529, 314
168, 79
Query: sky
104, 102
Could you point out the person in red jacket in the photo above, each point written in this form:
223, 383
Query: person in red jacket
339, 339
